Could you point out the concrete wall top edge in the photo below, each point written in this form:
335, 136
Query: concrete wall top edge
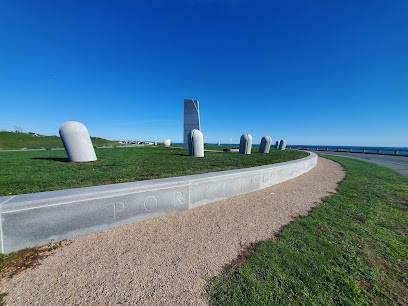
40, 199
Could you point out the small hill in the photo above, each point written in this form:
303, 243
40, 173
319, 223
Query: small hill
16, 141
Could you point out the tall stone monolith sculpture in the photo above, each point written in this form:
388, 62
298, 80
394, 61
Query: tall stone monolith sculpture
282, 145
265, 144
195, 143
191, 119
77, 143
245, 144
277, 144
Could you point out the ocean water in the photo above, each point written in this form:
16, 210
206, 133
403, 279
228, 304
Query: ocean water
355, 148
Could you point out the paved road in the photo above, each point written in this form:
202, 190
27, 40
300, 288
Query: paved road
396, 163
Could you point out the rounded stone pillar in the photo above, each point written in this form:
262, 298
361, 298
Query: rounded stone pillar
282, 145
77, 143
195, 143
265, 144
245, 144
277, 144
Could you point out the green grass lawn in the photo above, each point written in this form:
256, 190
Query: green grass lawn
35, 171
351, 250
16, 141
220, 148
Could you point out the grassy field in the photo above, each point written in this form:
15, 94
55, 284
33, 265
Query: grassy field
16, 141
35, 171
351, 250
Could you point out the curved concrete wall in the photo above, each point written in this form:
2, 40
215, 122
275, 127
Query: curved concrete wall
39, 218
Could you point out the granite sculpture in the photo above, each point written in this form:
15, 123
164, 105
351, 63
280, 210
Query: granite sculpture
167, 143
265, 144
191, 119
195, 143
277, 144
77, 143
245, 144
282, 145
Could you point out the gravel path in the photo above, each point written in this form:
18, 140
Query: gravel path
166, 260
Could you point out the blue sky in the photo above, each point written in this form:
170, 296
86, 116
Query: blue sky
312, 72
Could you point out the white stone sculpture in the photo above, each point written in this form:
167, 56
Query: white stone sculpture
265, 144
282, 145
195, 143
77, 143
167, 143
191, 119
245, 144
277, 144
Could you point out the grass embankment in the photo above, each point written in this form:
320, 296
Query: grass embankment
16, 141
35, 171
351, 250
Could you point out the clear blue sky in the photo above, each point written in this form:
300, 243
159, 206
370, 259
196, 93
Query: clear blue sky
312, 72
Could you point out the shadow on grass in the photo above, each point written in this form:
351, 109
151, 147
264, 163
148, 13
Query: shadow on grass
59, 159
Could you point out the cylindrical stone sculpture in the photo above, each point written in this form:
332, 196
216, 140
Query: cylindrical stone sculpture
195, 143
245, 144
167, 143
277, 144
265, 144
282, 145
77, 142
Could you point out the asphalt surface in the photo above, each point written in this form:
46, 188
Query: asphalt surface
396, 163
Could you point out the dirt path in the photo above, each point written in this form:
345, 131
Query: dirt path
166, 260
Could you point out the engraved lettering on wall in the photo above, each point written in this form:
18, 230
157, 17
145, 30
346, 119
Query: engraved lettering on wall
266, 177
178, 198
207, 189
223, 188
239, 185
151, 203
117, 208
